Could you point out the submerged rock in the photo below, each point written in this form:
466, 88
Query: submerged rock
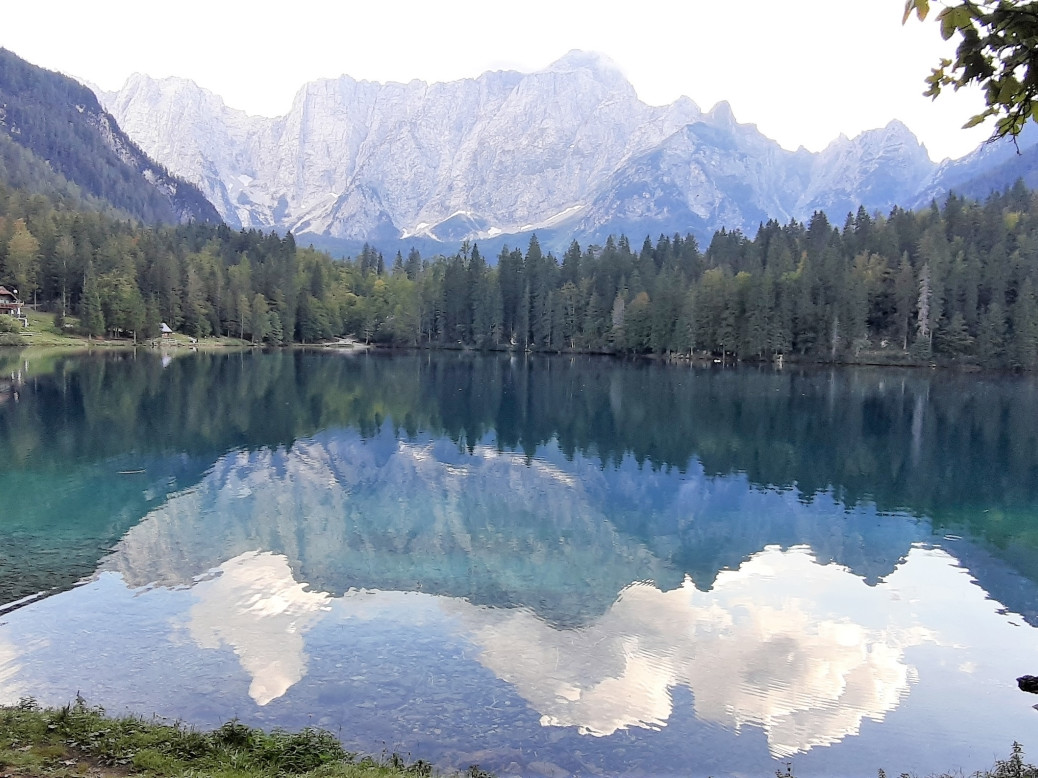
1028, 683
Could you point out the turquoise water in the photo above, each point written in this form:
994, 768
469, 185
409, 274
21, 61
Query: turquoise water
545, 566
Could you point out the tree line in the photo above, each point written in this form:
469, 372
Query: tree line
956, 282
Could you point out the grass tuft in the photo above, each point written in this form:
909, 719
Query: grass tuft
36, 741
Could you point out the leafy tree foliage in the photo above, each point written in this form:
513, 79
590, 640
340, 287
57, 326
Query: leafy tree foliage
997, 50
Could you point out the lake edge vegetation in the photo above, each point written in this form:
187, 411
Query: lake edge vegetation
954, 284
38, 742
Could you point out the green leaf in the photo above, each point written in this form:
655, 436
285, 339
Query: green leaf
960, 16
1009, 90
921, 8
947, 22
1005, 126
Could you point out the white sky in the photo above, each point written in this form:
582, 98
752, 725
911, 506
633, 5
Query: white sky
802, 70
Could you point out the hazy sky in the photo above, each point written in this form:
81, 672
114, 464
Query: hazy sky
802, 70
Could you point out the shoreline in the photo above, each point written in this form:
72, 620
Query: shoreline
78, 740
42, 336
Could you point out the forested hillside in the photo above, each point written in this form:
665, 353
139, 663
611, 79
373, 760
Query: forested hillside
55, 139
952, 283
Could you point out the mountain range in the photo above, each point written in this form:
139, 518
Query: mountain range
568, 152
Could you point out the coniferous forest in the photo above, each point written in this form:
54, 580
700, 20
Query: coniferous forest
957, 282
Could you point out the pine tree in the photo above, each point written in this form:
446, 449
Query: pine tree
92, 316
523, 320
23, 254
953, 338
991, 336
924, 326
904, 295
275, 329
1025, 328
152, 319
413, 266
259, 318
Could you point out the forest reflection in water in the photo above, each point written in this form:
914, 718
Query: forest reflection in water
479, 552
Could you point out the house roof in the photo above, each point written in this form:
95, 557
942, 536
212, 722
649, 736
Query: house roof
5, 292
164, 329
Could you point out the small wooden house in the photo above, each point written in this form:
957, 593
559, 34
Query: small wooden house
11, 305
166, 331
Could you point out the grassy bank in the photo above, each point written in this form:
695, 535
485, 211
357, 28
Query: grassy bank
79, 740
43, 331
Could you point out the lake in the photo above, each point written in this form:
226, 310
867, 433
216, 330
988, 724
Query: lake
541, 565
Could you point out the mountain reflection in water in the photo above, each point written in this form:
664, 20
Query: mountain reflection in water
555, 565
803, 650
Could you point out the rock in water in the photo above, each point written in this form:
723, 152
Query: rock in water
1028, 683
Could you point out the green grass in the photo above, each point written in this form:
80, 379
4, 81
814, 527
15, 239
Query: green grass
43, 331
63, 742
79, 740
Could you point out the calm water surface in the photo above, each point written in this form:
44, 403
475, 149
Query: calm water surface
546, 566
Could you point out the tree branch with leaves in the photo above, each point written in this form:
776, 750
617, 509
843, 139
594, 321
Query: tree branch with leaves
997, 51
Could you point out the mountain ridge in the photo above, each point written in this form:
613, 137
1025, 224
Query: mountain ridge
60, 124
568, 151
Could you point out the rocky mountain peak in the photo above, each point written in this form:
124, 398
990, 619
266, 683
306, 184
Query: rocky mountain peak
575, 59
721, 114
569, 150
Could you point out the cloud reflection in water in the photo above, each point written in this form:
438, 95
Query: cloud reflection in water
771, 644
764, 647
255, 606
759, 648
10, 670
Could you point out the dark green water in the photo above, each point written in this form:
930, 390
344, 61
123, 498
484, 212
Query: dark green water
543, 565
